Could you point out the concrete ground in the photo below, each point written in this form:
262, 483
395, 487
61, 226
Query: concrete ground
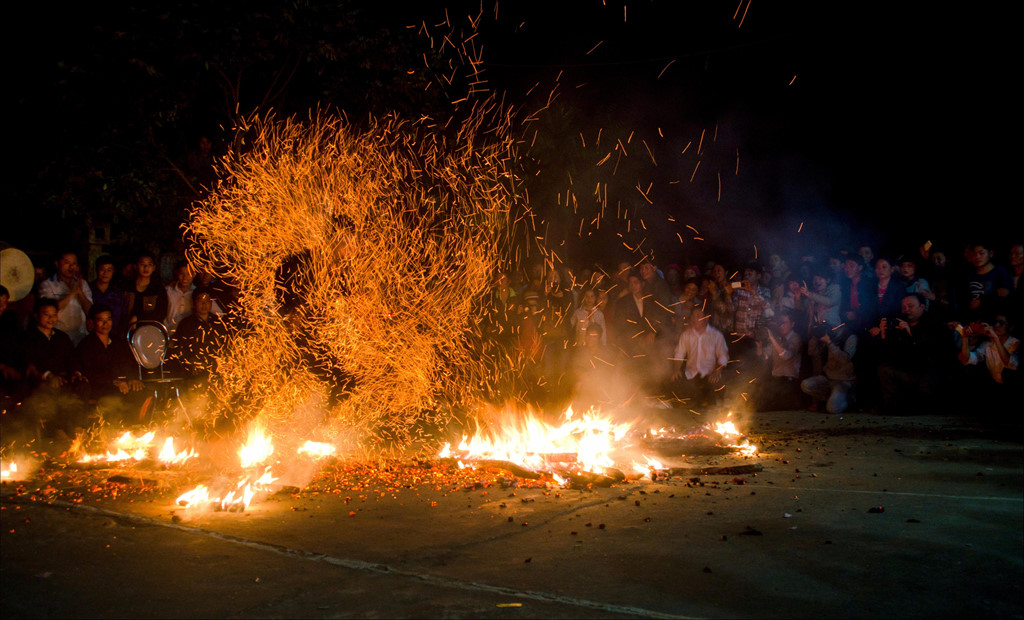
852, 516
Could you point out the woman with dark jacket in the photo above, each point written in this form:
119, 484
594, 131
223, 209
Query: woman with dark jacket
146, 298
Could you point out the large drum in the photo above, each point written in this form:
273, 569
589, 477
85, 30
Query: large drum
17, 274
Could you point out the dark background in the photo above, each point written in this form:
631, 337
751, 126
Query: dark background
851, 123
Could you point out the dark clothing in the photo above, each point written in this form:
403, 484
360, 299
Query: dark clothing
195, 344
54, 354
859, 299
149, 305
631, 327
888, 306
912, 367
102, 364
982, 288
113, 297
10, 340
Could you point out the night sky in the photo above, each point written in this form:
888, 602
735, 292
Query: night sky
850, 122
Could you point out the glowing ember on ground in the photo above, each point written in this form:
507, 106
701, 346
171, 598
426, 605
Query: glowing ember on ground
318, 449
11, 471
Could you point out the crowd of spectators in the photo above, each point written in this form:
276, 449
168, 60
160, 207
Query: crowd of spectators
65, 351
922, 332
930, 330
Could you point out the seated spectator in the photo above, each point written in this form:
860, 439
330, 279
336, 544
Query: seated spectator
501, 311
146, 299
1015, 311
597, 373
781, 389
700, 357
107, 362
888, 293
984, 284
224, 297
914, 283
179, 296
683, 306
997, 349
72, 293
198, 339
718, 291
657, 289
837, 382
48, 352
10, 342
51, 370
867, 254
824, 299
557, 336
913, 352
751, 302
856, 290
586, 315
942, 285
106, 292
642, 332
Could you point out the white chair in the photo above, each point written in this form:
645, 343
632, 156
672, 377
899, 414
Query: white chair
149, 342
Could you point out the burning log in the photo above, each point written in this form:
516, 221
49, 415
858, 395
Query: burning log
506, 466
586, 479
728, 470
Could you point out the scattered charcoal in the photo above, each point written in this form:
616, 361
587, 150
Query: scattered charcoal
601, 526
707, 569
913, 521
876, 509
751, 532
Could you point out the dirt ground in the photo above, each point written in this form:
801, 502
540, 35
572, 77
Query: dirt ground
849, 517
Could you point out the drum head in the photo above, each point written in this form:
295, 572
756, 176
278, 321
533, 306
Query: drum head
17, 274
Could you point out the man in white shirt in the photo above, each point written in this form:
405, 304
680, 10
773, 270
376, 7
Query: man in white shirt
179, 296
703, 353
73, 296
